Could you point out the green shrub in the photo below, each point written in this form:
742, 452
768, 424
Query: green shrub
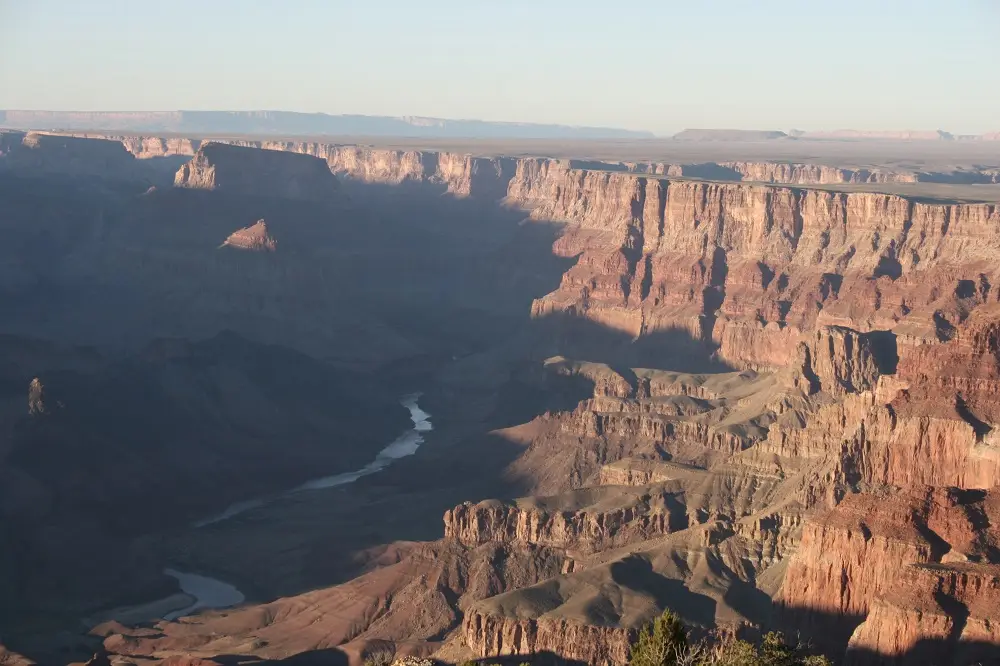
772, 651
661, 643
665, 643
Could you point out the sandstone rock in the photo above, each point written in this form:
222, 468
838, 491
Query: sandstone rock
252, 172
841, 360
41, 154
934, 613
814, 174
586, 520
491, 636
860, 553
254, 238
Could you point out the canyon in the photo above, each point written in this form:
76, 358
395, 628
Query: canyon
760, 393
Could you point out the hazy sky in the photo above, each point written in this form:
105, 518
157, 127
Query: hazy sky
656, 64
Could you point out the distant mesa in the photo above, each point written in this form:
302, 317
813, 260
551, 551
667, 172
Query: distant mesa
38, 153
728, 135
289, 123
884, 135
831, 135
255, 172
254, 238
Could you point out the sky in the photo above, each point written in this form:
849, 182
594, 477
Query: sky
657, 65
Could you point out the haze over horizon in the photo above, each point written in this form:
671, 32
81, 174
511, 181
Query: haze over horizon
719, 64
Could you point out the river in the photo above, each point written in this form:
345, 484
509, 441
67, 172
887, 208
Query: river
213, 593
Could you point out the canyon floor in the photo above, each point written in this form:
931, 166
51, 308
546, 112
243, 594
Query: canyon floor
750, 382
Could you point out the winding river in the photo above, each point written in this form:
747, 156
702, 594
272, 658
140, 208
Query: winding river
213, 593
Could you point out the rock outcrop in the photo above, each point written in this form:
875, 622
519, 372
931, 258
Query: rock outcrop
493, 636
789, 173
147, 147
254, 238
41, 154
251, 172
586, 520
934, 613
907, 566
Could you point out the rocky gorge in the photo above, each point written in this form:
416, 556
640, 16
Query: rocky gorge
759, 404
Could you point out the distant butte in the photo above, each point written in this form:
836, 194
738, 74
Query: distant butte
254, 238
253, 172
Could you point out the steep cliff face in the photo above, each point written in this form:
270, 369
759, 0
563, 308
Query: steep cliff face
814, 174
492, 636
910, 562
146, 147
458, 174
252, 172
934, 613
790, 173
40, 154
841, 360
587, 520
749, 268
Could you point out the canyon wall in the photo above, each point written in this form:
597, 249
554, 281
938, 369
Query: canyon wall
830, 447
251, 172
791, 173
456, 170
898, 569
576, 522
747, 269
40, 154
493, 636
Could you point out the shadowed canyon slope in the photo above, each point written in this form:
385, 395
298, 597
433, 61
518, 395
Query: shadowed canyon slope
758, 404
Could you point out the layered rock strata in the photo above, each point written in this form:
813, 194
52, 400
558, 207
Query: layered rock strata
252, 172
910, 567
939, 613
255, 238
588, 520
456, 170
41, 154
838, 465
497, 636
